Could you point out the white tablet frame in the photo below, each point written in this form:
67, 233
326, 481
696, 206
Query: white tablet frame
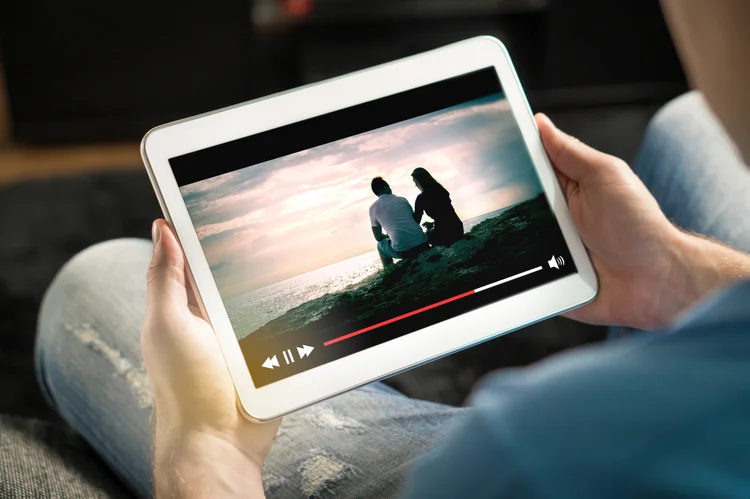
199, 132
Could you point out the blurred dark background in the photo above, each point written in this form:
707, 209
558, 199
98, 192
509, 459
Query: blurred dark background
83, 70
85, 79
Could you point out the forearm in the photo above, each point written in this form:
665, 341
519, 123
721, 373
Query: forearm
700, 267
202, 465
377, 233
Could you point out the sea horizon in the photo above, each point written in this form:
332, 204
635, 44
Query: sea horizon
253, 309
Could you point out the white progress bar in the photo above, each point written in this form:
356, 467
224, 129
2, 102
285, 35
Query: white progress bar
507, 279
430, 307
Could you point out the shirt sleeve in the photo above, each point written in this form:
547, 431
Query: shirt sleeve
664, 412
468, 463
373, 218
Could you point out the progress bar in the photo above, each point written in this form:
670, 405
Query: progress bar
430, 307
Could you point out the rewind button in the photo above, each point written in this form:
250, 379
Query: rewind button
271, 362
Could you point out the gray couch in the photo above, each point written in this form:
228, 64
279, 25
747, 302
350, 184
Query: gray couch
42, 459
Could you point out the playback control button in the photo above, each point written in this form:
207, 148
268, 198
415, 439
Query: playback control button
288, 356
271, 362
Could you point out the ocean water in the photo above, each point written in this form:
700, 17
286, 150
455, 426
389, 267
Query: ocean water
250, 311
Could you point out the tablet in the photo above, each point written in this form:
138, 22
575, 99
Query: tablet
345, 231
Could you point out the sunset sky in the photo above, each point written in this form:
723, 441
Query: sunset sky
275, 220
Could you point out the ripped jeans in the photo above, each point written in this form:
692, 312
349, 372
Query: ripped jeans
359, 444
89, 362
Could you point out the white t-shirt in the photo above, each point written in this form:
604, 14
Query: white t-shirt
395, 216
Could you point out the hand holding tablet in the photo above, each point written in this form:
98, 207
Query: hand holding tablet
300, 216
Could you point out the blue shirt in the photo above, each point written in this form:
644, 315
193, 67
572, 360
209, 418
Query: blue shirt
664, 415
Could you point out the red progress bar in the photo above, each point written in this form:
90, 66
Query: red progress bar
400, 317
434, 305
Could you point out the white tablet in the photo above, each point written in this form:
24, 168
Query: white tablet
345, 231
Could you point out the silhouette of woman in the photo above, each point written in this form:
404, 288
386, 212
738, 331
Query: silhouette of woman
435, 201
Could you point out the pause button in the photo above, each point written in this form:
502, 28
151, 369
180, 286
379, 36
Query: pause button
288, 357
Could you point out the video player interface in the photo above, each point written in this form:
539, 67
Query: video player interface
332, 235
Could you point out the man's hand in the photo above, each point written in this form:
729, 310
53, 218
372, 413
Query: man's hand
649, 270
203, 446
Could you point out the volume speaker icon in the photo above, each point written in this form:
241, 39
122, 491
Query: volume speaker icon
556, 262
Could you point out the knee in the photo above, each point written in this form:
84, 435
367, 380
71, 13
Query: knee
93, 272
101, 254
96, 265
679, 117
381, 246
681, 127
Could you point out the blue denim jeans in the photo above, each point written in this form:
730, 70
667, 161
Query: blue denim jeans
386, 251
362, 443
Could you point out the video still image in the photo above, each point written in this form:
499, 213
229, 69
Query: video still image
351, 236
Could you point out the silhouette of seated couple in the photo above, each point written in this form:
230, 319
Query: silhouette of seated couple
396, 227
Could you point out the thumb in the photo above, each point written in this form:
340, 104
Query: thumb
569, 156
165, 290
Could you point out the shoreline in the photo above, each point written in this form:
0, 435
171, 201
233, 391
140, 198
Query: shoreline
256, 302
490, 247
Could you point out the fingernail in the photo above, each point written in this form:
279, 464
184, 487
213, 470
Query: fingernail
155, 233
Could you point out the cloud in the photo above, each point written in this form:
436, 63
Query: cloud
288, 216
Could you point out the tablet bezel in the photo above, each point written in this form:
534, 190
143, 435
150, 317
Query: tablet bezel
289, 394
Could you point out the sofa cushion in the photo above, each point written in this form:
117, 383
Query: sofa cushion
41, 459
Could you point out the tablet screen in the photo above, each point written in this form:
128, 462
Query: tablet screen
335, 234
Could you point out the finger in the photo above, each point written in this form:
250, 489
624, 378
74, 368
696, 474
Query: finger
166, 275
570, 156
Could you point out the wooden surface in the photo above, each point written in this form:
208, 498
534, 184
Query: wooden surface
19, 163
